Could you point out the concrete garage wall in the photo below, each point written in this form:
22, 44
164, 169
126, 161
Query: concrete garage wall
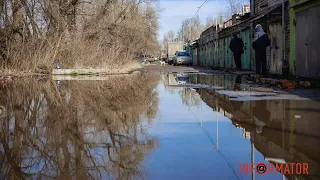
173, 47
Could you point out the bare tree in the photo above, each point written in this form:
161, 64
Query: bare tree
165, 41
94, 33
180, 34
191, 29
171, 35
210, 21
235, 6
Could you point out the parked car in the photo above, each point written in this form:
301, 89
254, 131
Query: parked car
182, 58
169, 60
142, 59
182, 78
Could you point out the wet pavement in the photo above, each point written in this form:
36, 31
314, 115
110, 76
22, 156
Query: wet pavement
156, 126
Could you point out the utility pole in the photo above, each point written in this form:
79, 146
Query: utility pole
217, 16
252, 146
200, 113
199, 15
252, 156
216, 34
217, 145
283, 33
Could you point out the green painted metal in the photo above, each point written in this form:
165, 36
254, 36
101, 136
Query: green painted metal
228, 54
203, 56
221, 53
225, 50
211, 55
245, 59
297, 2
194, 56
228, 81
207, 55
200, 55
224, 57
216, 55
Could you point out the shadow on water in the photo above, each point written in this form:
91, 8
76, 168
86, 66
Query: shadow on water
282, 129
82, 130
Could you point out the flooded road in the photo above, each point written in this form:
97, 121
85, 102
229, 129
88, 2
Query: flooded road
155, 126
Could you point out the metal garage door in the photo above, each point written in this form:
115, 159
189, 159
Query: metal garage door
308, 43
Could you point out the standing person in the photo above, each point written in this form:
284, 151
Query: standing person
236, 46
260, 43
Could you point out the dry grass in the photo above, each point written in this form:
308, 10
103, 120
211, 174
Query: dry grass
97, 34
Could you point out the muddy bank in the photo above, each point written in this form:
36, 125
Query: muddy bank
43, 72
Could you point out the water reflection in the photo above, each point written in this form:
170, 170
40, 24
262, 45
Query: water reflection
272, 126
237, 85
97, 130
78, 130
189, 96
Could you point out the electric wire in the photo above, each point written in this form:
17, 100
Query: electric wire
204, 3
213, 143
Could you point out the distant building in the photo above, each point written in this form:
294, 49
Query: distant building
228, 23
245, 134
236, 18
245, 9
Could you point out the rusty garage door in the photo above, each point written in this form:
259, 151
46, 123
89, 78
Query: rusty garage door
276, 48
308, 43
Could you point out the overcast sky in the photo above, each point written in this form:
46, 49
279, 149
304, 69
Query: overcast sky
175, 11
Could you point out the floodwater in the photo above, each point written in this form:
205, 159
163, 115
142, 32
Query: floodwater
149, 126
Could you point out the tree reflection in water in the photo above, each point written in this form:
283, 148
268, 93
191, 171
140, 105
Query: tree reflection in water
83, 130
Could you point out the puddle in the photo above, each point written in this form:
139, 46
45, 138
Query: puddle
246, 93
151, 126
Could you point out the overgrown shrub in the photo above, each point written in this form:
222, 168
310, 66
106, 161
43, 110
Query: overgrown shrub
93, 33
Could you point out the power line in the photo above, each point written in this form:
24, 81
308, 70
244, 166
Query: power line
213, 143
199, 8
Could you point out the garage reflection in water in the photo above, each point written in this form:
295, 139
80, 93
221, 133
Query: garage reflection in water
140, 127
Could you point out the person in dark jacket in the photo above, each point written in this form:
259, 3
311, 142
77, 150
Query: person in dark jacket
236, 46
260, 43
